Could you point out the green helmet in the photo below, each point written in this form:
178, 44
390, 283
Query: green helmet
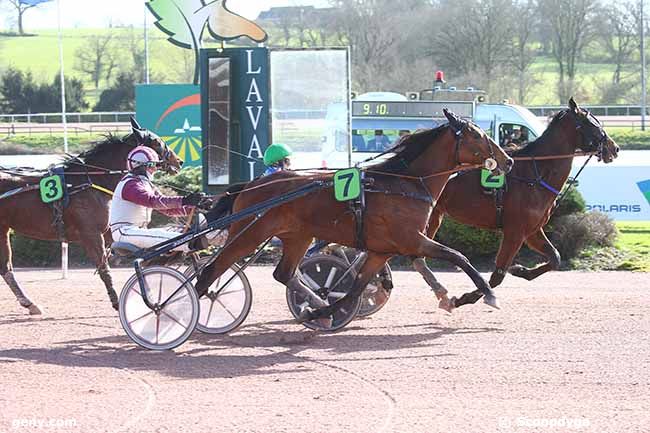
275, 153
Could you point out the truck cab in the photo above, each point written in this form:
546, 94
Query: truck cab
508, 124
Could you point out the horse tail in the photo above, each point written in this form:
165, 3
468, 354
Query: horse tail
224, 205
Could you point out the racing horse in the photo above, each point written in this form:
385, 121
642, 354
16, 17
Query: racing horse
401, 192
90, 177
540, 171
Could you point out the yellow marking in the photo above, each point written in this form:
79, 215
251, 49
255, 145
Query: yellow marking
102, 189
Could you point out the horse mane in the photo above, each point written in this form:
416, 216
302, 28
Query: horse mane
408, 148
540, 142
100, 148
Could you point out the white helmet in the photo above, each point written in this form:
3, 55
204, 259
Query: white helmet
142, 155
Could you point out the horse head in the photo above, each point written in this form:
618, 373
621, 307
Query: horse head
171, 162
594, 138
473, 146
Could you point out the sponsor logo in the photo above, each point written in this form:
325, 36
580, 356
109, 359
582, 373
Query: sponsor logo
644, 186
629, 208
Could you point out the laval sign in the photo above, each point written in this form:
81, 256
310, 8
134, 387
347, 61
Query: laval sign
235, 114
174, 111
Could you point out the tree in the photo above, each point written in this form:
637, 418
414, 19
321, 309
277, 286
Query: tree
17, 90
97, 58
474, 38
19, 94
119, 97
525, 21
23, 6
135, 46
618, 36
373, 29
571, 22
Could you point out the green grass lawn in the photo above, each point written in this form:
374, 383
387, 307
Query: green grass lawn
46, 143
634, 238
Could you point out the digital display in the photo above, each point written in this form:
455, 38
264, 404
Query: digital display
426, 109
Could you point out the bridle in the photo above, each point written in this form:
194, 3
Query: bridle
459, 128
145, 137
592, 133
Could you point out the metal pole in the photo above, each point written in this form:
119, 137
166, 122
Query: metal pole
146, 47
643, 71
64, 245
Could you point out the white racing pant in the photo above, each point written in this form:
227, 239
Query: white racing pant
146, 238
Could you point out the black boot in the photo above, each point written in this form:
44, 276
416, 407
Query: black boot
198, 244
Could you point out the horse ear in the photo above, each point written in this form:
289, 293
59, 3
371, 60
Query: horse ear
134, 124
454, 120
572, 105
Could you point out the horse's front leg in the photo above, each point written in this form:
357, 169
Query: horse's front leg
539, 243
6, 270
420, 264
510, 246
435, 250
93, 245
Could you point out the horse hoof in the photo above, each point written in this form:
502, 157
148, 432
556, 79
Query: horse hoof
305, 315
447, 304
34, 310
492, 301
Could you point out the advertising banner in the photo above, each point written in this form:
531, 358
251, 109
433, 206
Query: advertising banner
173, 111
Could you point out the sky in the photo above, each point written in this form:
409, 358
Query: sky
99, 13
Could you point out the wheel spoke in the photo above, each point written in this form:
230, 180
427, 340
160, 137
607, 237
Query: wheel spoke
141, 317
312, 284
175, 299
330, 277
157, 327
173, 318
228, 293
160, 288
210, 311
226, 308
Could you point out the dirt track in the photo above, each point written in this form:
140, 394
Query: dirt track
569, 352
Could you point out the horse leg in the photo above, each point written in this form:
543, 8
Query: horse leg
6, 270
420, 264
539, 243
435, 250
93, 245
510, 246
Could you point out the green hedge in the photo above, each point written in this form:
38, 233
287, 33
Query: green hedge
34, 253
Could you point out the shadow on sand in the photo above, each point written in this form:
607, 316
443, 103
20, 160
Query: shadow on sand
255, 349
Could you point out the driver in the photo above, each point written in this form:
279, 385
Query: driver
134, 198
277, 158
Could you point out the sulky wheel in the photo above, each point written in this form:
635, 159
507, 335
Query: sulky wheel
376, 293
324, 275
175, 313
227, 303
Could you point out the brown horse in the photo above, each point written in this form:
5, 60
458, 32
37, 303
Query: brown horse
399, 202
540, 172
85, 219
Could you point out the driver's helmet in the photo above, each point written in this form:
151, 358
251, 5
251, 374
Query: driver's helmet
276, 153
142, 156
